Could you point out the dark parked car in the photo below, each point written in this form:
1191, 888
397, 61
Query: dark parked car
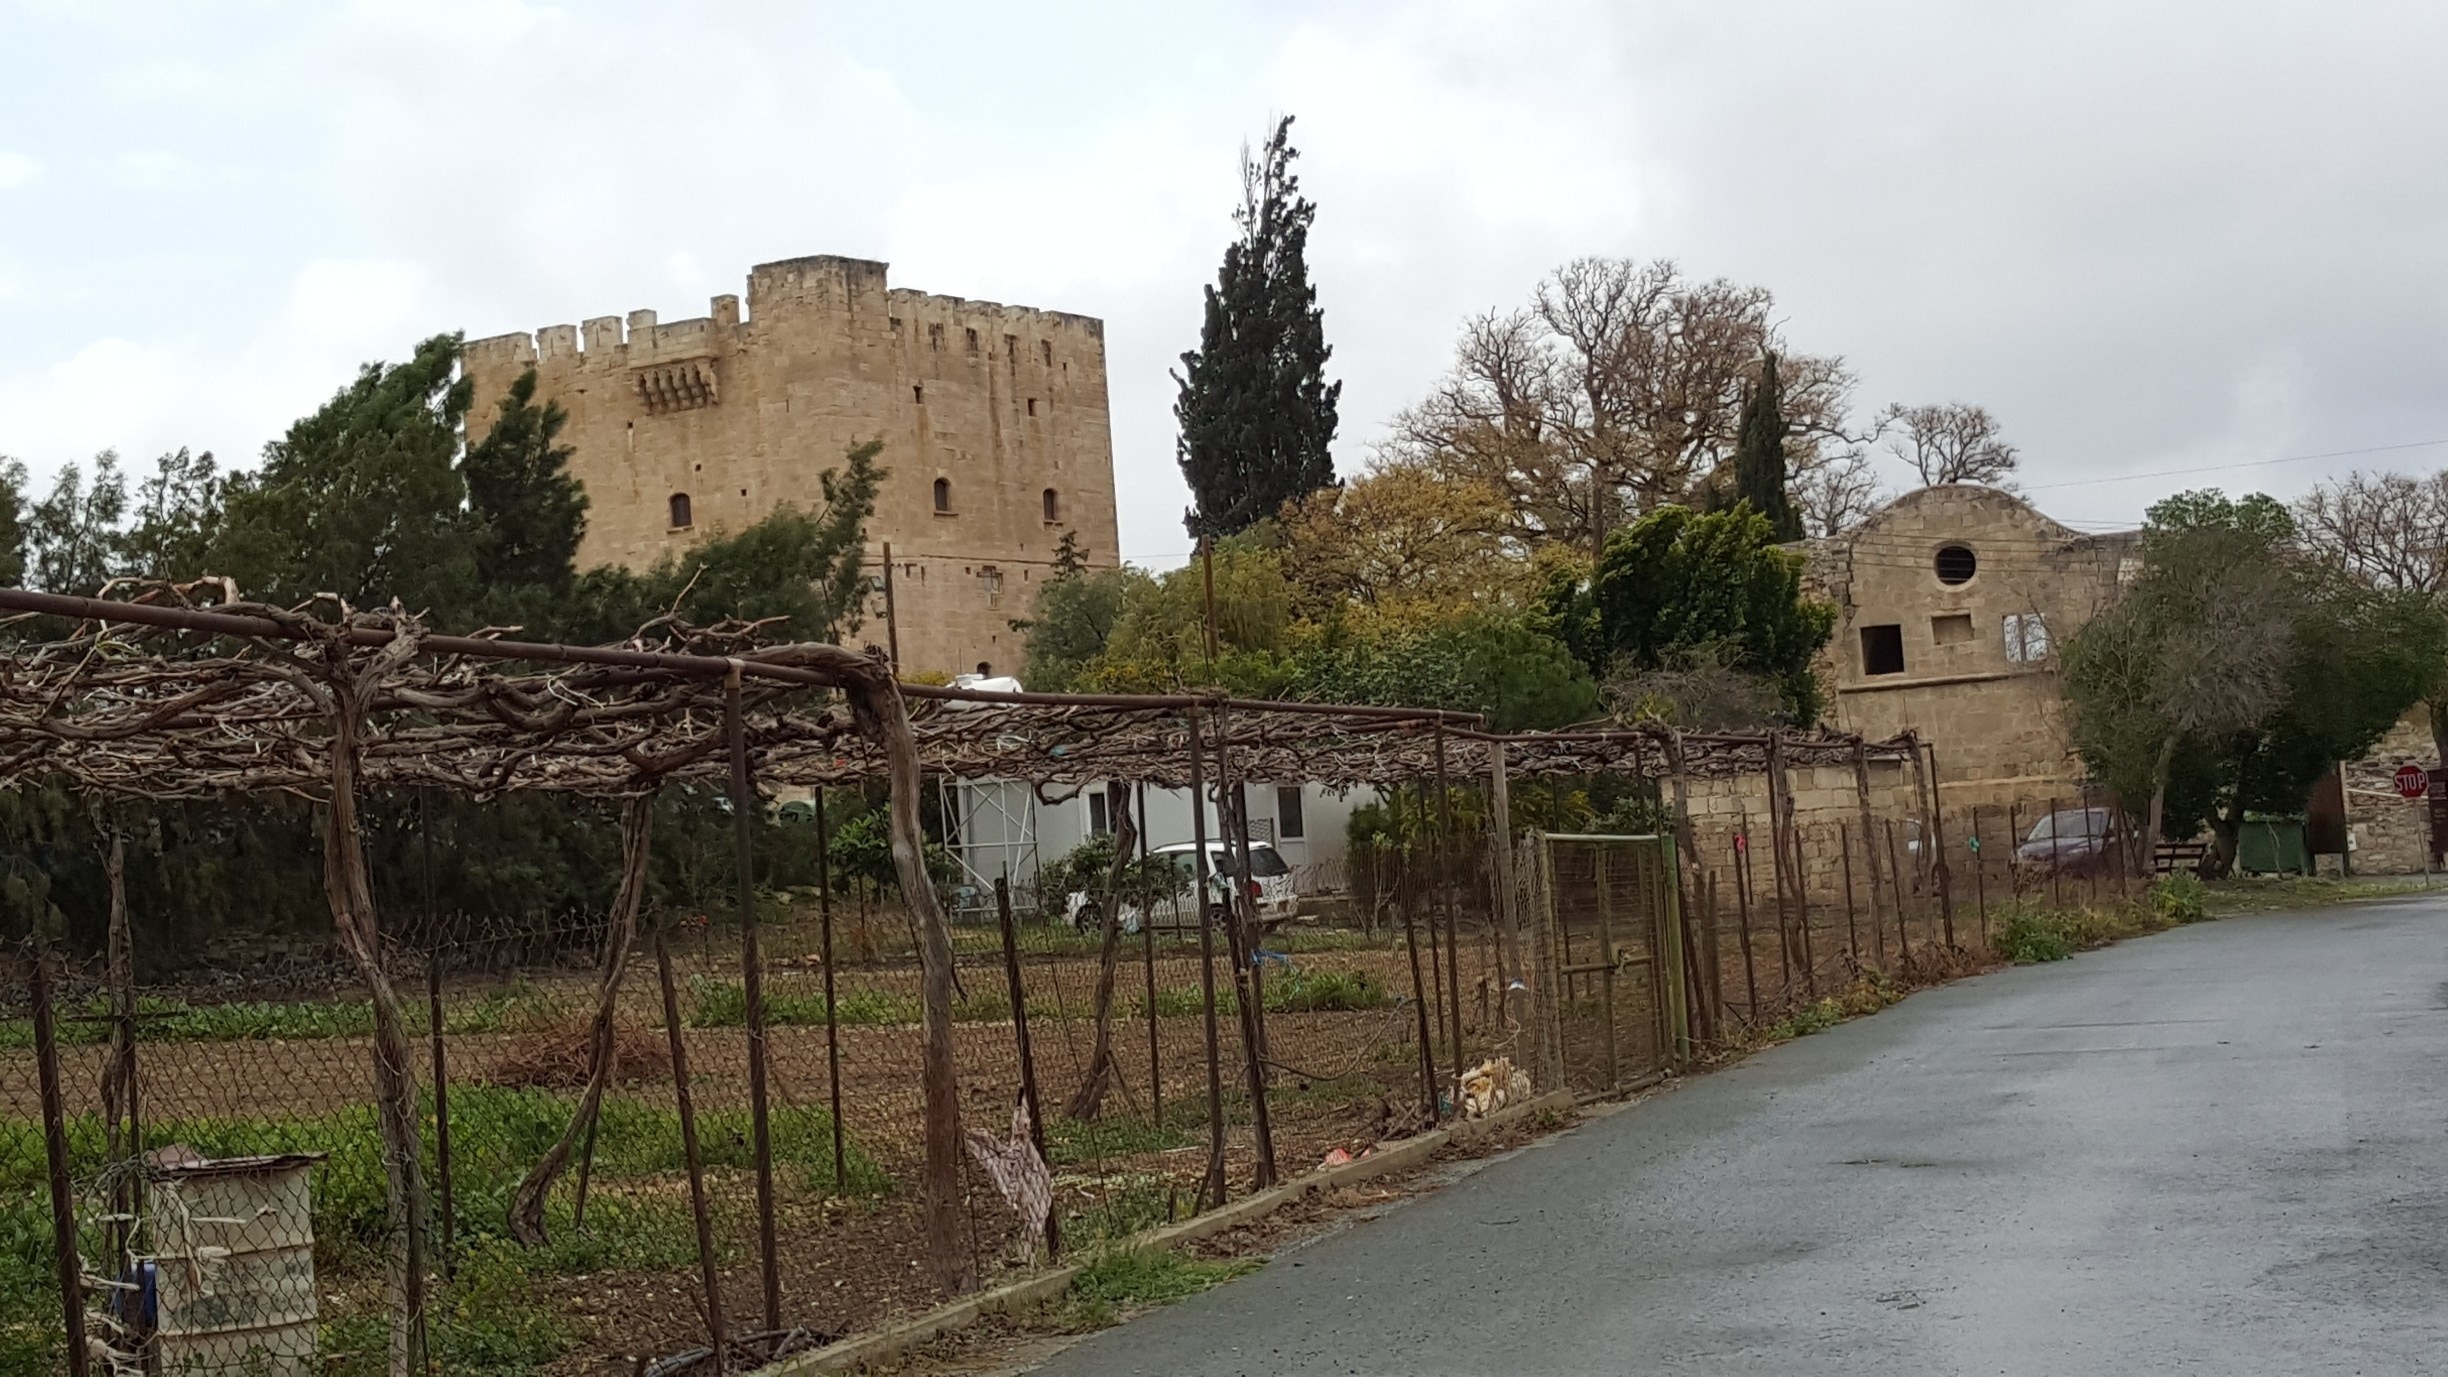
2073, 840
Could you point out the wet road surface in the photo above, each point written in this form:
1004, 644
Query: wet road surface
2222, 1150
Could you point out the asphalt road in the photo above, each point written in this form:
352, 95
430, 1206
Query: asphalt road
2223, 1150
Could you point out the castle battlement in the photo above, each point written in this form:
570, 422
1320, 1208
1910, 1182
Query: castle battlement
997, 443
782, 294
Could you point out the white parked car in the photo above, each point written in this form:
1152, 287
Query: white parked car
1270, 887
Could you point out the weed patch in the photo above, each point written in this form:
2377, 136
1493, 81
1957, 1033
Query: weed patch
1129, 1279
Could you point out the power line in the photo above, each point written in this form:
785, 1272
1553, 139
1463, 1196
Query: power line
2246, 464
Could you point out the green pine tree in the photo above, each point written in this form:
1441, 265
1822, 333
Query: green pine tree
1760, 474
1255, 409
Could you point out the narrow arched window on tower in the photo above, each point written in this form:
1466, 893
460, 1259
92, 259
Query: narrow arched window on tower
943, 495
1053, 505
680, 519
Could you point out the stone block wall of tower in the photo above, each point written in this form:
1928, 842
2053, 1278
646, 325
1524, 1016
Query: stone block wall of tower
997, 440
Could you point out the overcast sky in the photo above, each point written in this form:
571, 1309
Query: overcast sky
2149, 237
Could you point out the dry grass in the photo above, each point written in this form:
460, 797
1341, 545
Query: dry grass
556, 1058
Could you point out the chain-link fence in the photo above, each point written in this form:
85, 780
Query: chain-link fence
630, 1145
232, 1211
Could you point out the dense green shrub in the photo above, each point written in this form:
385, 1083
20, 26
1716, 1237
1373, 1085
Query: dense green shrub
2034, 934
2179, 897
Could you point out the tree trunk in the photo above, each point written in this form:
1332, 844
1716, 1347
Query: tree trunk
1089, 1100
2439, 729
2158, 805
350, 894
527, 1202
2225, 826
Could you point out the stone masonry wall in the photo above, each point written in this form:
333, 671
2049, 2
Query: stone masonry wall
2391, 835
1979, 673
690, 427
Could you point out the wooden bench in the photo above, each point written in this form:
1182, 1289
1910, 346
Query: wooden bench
2173, 854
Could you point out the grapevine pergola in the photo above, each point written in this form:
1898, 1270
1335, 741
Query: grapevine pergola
183, 692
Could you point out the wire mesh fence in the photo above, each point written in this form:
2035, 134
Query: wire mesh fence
622, 1158
574, 1236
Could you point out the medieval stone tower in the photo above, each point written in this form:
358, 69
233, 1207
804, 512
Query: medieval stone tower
993, 418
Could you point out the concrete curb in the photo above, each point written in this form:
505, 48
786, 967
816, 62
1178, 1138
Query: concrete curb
862, 1350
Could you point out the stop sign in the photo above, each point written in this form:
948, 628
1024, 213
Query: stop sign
2412, 781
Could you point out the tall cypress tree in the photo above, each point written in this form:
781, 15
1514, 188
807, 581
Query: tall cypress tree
1256, 411
1759, 457
528, 511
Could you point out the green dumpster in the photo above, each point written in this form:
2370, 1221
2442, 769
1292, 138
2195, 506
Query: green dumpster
2265, 847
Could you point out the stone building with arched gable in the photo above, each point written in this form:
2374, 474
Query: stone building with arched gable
1951, 604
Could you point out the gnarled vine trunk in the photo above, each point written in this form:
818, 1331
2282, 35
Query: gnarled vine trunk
527, 1201
350, 894
1089, 1100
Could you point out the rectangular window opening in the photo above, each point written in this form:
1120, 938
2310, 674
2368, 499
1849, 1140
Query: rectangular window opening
1882, 649
918, 393
1289, 824
2026, 637
1100, 814
1032, 406
1952, 629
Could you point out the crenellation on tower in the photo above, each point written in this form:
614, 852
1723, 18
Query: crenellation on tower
997, 439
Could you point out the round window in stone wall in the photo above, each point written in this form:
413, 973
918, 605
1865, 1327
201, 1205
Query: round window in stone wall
1955, 564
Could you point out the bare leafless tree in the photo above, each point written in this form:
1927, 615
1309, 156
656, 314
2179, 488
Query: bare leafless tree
1620, 388
1948, 442
1837, 495
2389, 530
2386, 528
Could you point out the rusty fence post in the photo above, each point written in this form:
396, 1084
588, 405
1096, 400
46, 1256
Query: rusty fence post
1028, 1056
1442, 871
1941, 869
1406, 897
1980, 877
441, 1104
55, 1157
2056, 849
685, 1101
2014, 848
1742, 902
1844, 844
824, 911
1903, 910
1241, 923
1211, 1186
1147, 949
752, 990
1606, 967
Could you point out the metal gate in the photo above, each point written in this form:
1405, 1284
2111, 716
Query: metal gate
1613, 957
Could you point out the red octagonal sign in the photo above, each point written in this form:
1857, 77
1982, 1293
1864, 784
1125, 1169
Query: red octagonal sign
2412, 781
